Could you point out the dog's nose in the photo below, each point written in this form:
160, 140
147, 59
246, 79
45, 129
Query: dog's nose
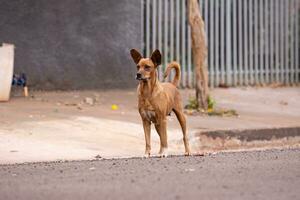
138, 76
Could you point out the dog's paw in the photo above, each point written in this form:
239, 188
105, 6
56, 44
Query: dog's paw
163, 153
147, 154
187, 153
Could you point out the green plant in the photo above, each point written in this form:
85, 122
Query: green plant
193, 108
211, 103
192, 104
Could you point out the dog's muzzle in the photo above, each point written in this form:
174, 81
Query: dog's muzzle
140, 77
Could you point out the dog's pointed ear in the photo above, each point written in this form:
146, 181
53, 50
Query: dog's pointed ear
156, 57
136, 56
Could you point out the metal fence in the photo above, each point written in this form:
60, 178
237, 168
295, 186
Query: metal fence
250, 42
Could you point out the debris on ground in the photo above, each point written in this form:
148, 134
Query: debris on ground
223, 113
71, 104
212, 112
55, 110
284, 103
114, 107
96, 97
90, 101
189, 170
38, 98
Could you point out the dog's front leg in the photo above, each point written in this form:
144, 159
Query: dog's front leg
147, 131
162, 131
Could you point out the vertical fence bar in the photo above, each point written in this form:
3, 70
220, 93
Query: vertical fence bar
297, 43
206, 8
251, 53
211, 41
267, 36
142, 26
166, 27
205, 2
154, 24
261, 42
177, 31
222, 44
178, 56
147, 27
183, 47
234, 33
286, 48
246, 23
240, 42
201, 8
277, 38
256, 69
171, 35
160, 34
159, 24
282, 34
296, 11
228, 44
271, 41
217, 41
171, 30
295, 22
292, 22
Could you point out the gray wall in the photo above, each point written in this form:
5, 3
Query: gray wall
73, 44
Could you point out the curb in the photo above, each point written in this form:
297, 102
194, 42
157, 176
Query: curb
246, 139
254, 134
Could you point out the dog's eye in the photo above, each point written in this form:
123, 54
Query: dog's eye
147, 68
138, 67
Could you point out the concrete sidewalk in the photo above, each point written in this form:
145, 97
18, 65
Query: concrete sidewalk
81, 124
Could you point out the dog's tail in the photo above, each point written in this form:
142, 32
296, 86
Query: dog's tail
176, 66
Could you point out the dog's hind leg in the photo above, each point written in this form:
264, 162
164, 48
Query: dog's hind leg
181, 118
162, 132
147, 131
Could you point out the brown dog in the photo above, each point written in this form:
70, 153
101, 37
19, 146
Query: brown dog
157, 100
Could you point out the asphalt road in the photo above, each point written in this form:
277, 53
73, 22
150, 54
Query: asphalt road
273, 174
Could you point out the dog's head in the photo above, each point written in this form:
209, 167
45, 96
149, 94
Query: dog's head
146, 67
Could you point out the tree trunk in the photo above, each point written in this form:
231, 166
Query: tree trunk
199, 48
